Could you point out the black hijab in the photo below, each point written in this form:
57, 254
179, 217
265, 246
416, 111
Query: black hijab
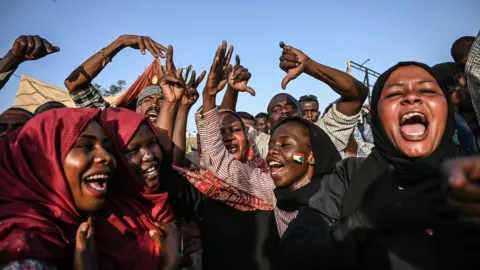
388, 163
326, 156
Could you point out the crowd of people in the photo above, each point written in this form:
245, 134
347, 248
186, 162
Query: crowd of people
387, 185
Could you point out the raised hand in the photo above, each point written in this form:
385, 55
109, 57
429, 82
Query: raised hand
292, 61
219, 71
190, 96
463, 179
85, 256
144, 43
32, 48
239, 77
169, 239
172, 83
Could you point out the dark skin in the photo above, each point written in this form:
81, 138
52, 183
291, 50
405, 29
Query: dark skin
352, 92
310, 110
464, 196
189, 98
90, 155
282, 106
234, 136
83, 75
10, 120
248, 122
237, 82
261, 124
413, 89
288, 139
25, 48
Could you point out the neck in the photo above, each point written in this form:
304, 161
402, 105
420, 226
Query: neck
300, 183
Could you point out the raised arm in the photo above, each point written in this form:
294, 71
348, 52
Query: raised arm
25, 48
237, 82
189, 98
352, 92
215, 156
82, 76
173, 88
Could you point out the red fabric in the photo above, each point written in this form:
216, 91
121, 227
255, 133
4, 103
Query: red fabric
129, 98
131, 211
38, 217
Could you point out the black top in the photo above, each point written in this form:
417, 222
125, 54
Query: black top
314, 241
232, 239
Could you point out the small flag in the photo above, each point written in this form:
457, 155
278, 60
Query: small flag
298, 158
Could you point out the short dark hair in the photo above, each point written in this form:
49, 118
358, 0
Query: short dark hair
261, 115
308, 98
245, 115
461, 48
48, 106
283, 94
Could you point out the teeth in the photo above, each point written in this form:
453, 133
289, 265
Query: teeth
151, 169
274, 163
97, 176
412, 114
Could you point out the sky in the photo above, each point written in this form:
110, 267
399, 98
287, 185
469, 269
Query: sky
330, 32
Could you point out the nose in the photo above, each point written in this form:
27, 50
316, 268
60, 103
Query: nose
147, 155
103, 156
227, 136
273, 150
411, 98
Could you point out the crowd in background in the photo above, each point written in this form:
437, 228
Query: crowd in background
391, 184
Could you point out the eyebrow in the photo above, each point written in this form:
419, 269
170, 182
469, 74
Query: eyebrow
403, 83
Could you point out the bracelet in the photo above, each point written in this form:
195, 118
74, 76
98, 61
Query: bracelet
106, 58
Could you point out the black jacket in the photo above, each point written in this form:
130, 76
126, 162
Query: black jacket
317, 239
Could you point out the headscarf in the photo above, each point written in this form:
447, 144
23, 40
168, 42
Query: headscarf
385, 155
131, 210
326, 156
149, 91
38, 217
217, 189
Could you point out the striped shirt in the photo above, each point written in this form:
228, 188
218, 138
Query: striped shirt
472, 70
337, 125
221, 163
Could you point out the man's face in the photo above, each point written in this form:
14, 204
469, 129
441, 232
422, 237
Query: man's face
282, 106
261, 124
11, 120
150, 107
310, 110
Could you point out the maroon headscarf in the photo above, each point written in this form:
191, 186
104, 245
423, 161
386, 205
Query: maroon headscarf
131, 210
38, 217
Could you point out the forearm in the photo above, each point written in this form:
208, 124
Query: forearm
230, 99
353, 93
164, 124
179, 135
8, 64
83, 75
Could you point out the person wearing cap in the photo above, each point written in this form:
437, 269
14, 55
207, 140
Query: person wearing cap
85, 95
309, 104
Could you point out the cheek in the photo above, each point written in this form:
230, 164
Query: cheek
387, 111
74, 165
134, 161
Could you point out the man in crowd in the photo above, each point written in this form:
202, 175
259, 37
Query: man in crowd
460, 50
84, 94
309, 105
25, 48
261, 123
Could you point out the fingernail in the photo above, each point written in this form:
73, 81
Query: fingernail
152, 233
84, 228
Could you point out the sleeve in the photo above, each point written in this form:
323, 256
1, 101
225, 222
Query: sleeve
312, 240
338, 126
89, 98
261, 140
472, 70
218, 161
5, 76
29, 264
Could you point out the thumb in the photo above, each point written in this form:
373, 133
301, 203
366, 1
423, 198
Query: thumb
81, 238
250, 90
285, 81
55, 49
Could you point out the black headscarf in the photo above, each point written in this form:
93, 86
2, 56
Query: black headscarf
326, 156
388, 163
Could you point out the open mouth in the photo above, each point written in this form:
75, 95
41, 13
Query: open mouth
97, 183
152, 114
413, 125
232, 149
150, 175
275, 167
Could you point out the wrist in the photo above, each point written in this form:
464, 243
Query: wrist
12, 60
184, 108
309, 63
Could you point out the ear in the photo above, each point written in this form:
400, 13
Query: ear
311, 158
